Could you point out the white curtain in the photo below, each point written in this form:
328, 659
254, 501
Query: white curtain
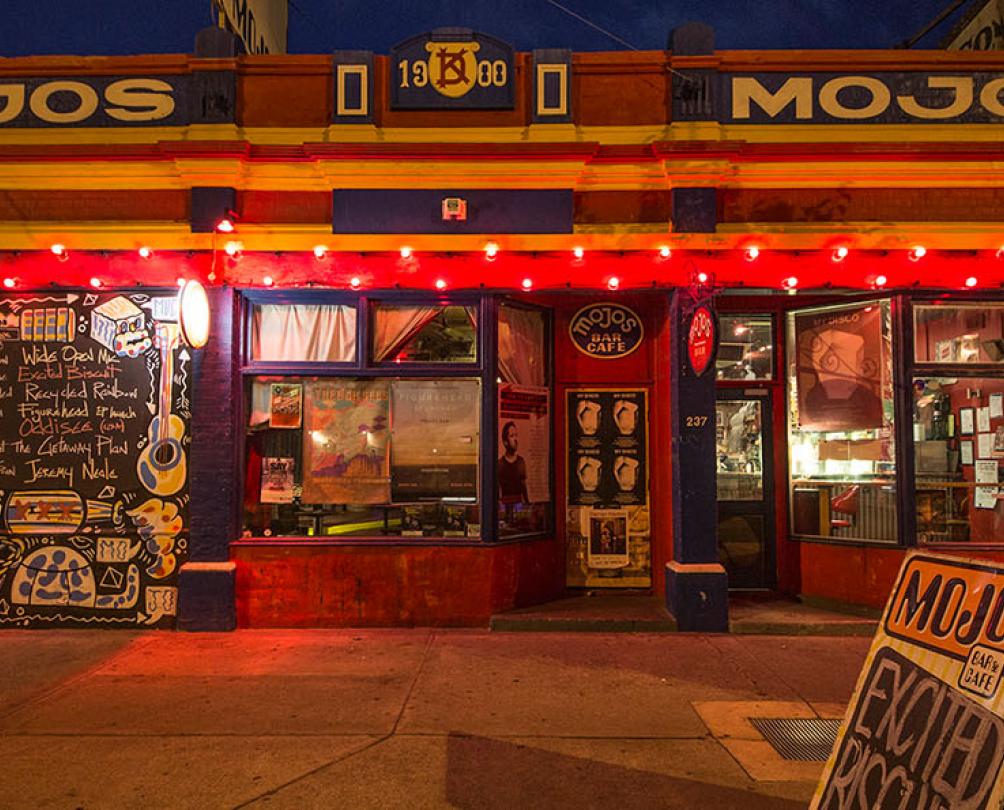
521, 346
395, 327
306, 333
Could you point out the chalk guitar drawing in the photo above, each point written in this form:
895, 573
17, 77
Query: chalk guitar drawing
162, 467
94, 479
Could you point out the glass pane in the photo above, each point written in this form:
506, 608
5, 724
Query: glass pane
959, 333
741, 544
958, 434
521, 335
337, 457
424, 334
308, 333
524, 462
740, 450
746, 350
841, 441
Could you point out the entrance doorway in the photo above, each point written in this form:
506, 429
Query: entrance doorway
744, 447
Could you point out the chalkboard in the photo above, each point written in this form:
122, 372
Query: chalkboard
924, 728
94, 418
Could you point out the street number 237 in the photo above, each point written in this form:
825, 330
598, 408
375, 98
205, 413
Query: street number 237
696, 421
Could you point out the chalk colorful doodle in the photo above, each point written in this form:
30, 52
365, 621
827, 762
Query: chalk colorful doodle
93, 485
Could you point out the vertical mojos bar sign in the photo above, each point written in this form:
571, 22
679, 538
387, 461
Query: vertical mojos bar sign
452, 69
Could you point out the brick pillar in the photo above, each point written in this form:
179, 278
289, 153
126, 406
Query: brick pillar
206, 582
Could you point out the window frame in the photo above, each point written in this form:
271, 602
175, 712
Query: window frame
548, 314
486, 305
901, 336
914, 369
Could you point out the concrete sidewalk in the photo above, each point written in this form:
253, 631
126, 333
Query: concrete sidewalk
408, 718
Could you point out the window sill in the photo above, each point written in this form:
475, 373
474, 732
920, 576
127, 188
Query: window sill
846, 541
383, 542
962, 547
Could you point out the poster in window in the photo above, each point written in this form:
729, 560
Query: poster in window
607, 446
345, 455
434, 449
524, 444
277, 480
286, 406
839, 362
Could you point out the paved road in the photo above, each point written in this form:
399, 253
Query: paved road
407, 718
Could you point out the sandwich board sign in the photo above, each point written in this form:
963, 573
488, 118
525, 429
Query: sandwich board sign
925, 727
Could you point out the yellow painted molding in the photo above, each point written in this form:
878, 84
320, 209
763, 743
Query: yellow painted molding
708, 131
324, 175
615, 237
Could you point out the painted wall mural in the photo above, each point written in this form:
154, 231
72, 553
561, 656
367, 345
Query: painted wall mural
94, 416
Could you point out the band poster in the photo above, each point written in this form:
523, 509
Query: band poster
840, 357
524, 444
286, 405
608, 516
277, 479
345, 455
434, 450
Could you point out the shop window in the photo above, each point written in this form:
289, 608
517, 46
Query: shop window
958, 434
745, 350
305, 333
841, 438
958, 333
524, 423
379, 457
424, 334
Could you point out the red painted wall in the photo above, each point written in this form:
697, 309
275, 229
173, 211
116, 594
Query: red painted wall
314, 585
862, 575
648, 368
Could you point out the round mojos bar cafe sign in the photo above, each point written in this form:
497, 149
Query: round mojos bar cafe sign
701, 340
606, 330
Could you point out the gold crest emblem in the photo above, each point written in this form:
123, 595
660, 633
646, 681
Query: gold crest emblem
452, 67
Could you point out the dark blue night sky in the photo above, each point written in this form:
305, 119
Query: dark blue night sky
319, 26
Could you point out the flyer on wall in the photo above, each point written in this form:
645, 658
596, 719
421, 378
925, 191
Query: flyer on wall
285, 410
277, 480
608, 534
608, 448
345, 456
434, 450
608, 520
524, 444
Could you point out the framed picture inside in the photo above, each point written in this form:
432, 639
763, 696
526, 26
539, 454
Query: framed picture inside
967, 421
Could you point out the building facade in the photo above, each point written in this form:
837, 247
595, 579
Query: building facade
487, 326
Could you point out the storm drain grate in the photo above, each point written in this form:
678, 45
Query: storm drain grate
803, 739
